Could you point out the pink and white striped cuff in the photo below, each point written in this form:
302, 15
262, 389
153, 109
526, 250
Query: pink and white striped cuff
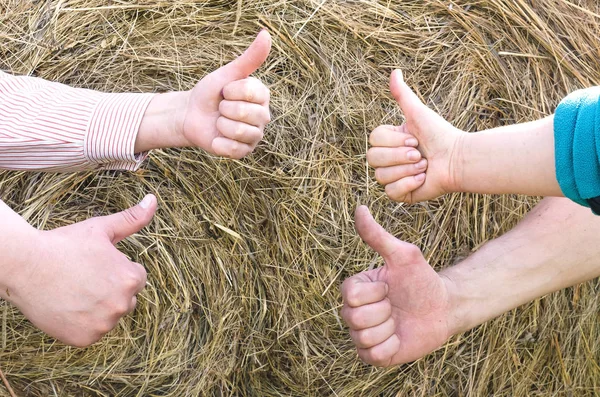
112, 131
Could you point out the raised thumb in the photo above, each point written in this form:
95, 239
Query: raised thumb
373, 234
247, 63
125, 223
406, 98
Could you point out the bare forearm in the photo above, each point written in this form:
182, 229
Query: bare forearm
513, 159
17, 246
555, 246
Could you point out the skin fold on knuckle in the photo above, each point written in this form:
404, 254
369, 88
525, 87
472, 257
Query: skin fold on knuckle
358, 319
345, 313
372, 157
120, 308
366, 355
131, 216
249, 93
346, 286
240, 132
353, 296
132, 281
103, 328
379, 357
379, 176
242, 111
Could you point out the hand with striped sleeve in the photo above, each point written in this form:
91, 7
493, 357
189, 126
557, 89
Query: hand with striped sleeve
224, 114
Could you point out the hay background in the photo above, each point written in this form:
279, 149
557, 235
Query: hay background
258, 316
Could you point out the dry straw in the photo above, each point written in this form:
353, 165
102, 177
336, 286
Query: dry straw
255, 312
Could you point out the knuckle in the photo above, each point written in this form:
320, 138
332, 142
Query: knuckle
392, 192
346, 286
143, 275
242, 111
260, 135
249, 93
354, 318
378, 131
371, 156
239, 131
344, 314
398, 193
103, 328
133, 279
353, 297
130, 281
412, 251
379, 176
373, 137
121, 308
364, 337
234, 149
131, 216
379, 357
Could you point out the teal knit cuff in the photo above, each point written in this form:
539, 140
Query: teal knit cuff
577, 145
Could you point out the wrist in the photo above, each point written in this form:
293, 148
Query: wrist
457, 162
460, 307
23, 252
162, 123
493, 280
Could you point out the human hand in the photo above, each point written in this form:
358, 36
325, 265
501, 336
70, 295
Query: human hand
227, 110
401, 311
80, 285
417, 160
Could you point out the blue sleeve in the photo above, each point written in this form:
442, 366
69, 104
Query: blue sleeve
577, 145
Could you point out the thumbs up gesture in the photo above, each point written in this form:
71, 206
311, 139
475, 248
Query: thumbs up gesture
420, 159
78, 285
401, 311
227, 110
224, 114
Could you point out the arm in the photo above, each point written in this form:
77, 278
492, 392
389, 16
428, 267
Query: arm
17, 244
52, 127
442, 159
404, 310
515, 159
555, 246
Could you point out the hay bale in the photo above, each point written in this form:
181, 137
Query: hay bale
258, 315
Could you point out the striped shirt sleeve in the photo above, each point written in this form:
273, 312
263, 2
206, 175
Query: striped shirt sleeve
46, 126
